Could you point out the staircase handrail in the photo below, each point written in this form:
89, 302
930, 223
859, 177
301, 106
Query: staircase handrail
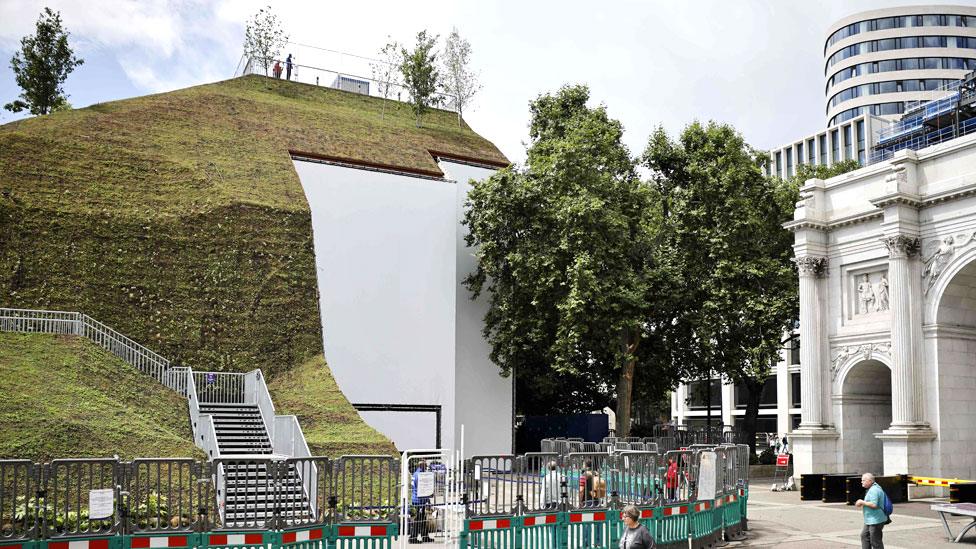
256, 392
207, 437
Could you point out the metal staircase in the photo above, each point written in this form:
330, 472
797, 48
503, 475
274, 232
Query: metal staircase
233, 419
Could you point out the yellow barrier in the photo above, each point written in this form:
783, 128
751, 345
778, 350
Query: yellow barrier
932, 481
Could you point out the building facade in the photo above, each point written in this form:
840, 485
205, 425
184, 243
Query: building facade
887, 273
852, 139
880, 62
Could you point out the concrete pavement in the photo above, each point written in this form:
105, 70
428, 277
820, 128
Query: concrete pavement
780, 519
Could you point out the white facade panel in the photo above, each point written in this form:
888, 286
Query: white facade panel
397, 328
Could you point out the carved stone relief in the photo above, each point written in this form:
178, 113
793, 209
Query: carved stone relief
864, 351
870, 292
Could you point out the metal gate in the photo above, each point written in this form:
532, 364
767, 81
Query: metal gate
431, 504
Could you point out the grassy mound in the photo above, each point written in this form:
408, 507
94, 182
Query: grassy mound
64, 397
331, 425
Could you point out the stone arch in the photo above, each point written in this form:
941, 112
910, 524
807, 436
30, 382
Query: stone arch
875, 353
934, 297
864, 409
950, 341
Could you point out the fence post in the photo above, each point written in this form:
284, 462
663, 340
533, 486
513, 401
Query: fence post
79, 324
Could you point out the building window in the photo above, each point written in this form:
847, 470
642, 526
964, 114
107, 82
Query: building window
767, 399
823, 149
860, 142
799, 154
789, 162
795, 351
779, 164
698, 395
811, 153
835, 146
848, 143
795, 391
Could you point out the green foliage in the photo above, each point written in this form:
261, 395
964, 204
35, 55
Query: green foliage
264, 38
722, 225
42, 65
179, 220
420, 75
565, 249
459, 79
767, 457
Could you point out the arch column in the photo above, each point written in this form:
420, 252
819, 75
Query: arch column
815, 441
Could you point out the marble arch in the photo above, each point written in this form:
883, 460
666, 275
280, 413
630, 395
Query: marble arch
886, 257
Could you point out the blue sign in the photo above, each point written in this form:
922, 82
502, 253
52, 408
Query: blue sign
211, 379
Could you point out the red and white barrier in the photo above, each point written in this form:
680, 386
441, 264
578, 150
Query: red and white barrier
497, 524
702, 506
79, 544
362, 531
234, 539
540, 520
644, 514
303, 535
588, 517
679, 510
142, 542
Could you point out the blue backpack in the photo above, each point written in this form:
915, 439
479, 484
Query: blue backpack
886, 504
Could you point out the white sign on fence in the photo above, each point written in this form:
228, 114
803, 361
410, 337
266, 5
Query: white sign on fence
425, 485
706, 475
101, 503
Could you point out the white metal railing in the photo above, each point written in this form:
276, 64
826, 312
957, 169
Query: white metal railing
328, 78
256, 392
219, 387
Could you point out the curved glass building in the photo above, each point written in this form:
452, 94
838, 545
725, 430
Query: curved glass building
877, 62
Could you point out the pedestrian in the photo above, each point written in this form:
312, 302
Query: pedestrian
586, 484
277, 69
671, 480
418, 526
786, 445
874, 516
550, 486
635, 534
288, 67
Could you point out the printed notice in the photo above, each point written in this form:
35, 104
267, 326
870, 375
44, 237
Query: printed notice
706, 476
425, 485
101, 503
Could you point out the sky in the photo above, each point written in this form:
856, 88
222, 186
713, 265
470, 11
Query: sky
755, 64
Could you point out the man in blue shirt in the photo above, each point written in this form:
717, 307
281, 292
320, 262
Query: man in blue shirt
418, 525
874, 516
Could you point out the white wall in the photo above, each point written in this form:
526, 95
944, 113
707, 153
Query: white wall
385, 256
398, 327
484, 398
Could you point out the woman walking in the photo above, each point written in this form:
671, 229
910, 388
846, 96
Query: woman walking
635, 534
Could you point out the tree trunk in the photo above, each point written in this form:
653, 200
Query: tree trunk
625, 386
754, 395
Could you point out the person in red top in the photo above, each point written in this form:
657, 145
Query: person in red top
671, 480
277, 69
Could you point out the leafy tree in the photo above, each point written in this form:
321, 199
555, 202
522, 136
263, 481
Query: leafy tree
264, 38
459, 80
42, 65
565, 248
722, 221
386, 70
420, 76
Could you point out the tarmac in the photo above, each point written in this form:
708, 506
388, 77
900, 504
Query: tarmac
780, 519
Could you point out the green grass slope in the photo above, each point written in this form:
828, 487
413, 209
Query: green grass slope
331, 425
64, 397
179, 219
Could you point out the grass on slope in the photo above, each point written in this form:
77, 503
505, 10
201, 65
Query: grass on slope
64, 397
195, 149
332, 427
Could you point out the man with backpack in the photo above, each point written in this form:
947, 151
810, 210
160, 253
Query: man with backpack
876, 508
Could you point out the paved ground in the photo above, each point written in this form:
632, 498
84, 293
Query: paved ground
780, 519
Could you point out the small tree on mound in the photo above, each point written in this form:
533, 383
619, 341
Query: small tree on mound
459, 80
264, 38
420, 74
42, 65
387, 69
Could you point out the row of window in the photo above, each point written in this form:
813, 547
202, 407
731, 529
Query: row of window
879, 109
899, 22
901, 43
700, 393
908, 64
890, 86
849, 132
